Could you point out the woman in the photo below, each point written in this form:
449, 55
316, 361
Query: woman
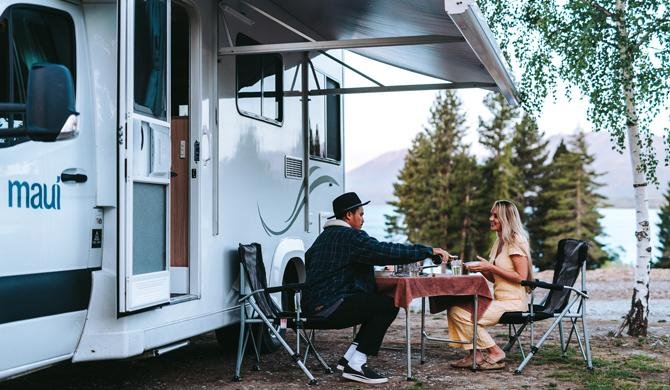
509, 264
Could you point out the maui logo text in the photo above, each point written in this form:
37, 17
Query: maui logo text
33, 196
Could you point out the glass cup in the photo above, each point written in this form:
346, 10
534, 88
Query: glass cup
401, 270
414, 269
456, 267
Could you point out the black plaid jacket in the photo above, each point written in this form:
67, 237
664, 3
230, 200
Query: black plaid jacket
340, 263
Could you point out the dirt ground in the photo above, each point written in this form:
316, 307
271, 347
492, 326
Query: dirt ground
619, 362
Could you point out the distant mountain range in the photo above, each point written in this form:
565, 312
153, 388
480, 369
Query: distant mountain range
374, 179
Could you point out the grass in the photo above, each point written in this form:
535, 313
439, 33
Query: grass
625, 372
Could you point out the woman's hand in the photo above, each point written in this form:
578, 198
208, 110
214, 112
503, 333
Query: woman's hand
481, 266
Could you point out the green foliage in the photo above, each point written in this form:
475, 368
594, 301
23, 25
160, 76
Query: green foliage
621, 373
437, 187
499, 173
616, 54
664, 234
529, 156
570, 203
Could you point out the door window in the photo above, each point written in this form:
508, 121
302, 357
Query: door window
150, 56
30, 35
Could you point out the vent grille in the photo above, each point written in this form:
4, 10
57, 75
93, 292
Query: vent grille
292, 167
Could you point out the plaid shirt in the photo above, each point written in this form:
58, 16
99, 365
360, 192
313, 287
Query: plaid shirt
340, 263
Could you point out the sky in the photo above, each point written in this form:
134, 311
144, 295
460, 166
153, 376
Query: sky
376, 123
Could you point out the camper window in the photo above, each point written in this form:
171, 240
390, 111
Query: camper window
259, 84
324, 121
30, 35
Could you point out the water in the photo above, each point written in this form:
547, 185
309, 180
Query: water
618, 226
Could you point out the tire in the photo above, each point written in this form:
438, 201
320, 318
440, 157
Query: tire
228, 339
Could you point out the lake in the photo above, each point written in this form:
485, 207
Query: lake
618, 226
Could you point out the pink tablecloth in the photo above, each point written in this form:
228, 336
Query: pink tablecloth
443, 290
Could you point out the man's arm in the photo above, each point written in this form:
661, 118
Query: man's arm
368, 250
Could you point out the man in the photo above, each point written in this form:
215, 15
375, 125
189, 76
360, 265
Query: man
341, 280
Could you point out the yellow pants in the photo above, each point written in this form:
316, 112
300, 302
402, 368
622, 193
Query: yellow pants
460, 323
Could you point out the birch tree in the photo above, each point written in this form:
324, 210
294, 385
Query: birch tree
617, 54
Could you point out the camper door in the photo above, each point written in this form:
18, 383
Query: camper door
144, 154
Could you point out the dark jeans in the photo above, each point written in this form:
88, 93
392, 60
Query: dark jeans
373, 312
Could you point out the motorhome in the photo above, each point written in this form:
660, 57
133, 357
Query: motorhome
142, 140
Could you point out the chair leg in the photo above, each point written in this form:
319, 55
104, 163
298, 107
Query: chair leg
589, 363
310, 347
564, 346
242, 342
257, 346
513, 338
294, 356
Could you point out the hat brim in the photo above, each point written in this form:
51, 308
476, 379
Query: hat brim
351, 208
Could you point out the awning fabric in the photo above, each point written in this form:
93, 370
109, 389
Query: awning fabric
354, 19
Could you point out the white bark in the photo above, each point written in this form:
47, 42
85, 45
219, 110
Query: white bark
639, 312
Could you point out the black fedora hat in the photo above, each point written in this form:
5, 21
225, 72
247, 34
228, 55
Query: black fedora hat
346, 202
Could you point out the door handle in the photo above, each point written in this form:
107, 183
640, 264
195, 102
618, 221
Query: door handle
75, 177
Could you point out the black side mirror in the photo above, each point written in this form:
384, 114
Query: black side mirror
50, 104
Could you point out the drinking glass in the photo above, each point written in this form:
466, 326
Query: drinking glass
457, 267
414, 269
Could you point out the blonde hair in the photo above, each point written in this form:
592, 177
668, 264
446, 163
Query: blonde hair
512, 231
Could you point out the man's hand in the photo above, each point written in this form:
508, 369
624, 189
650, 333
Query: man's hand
444, 255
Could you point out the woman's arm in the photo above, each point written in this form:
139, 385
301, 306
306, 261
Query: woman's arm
487, 269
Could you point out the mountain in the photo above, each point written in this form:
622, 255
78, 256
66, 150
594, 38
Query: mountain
374, 179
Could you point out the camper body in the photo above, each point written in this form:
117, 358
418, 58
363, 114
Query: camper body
142, 140
123, 239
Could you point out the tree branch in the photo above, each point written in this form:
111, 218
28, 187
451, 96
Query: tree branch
647, 35
601, 9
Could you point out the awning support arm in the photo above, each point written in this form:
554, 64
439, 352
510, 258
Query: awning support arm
392, 88
351, 68
339, 44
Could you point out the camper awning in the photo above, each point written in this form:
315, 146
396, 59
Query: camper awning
445, 39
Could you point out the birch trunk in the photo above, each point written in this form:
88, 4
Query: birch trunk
637, 318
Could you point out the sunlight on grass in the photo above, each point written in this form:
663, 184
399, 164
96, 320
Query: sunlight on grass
623, 373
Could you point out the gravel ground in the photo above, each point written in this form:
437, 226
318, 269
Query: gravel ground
203, 365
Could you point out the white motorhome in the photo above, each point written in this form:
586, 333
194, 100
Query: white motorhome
168, 132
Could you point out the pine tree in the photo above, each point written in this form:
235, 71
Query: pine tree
664, 234
572, 203
529, 156
436, 187
498, 172
495, 136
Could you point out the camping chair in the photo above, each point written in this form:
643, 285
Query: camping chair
559, 304
257, 307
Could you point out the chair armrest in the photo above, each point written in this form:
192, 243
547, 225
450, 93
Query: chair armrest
538, 283
286, 287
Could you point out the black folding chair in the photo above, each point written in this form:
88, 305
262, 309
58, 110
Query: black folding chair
562, 302
257, 307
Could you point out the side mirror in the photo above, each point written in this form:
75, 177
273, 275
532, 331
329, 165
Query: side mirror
50, 104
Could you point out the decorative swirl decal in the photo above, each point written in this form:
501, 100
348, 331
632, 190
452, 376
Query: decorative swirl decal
299, 203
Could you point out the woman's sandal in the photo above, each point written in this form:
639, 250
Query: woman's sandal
465, 362
488, 364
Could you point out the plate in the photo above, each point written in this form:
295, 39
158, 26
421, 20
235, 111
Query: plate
472, 263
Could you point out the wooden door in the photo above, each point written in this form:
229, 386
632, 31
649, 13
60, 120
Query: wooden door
179, 203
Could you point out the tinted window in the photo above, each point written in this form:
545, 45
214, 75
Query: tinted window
333, 128
30, 35
324, 120
259, 83
150, 58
